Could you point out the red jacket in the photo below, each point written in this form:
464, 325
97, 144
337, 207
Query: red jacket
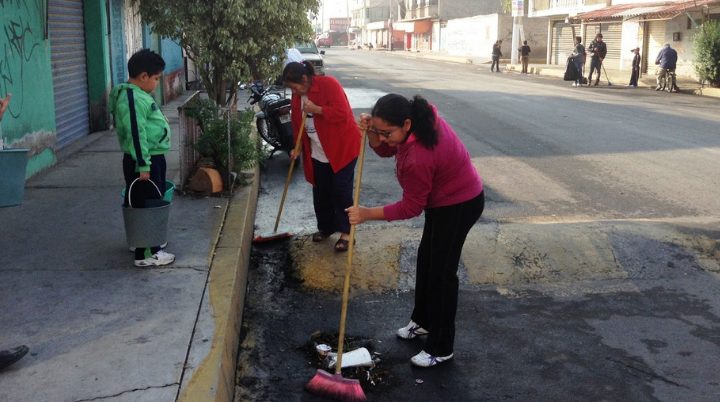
336, 128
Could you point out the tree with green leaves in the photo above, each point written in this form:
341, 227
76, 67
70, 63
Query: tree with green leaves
706, 48
232, 40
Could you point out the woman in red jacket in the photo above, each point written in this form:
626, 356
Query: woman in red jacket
437, 177
330, 147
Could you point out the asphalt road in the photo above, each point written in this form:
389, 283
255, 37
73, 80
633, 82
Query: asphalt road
606, 201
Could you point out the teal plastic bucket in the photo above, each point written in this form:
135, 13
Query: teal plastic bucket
169, 188
13, 164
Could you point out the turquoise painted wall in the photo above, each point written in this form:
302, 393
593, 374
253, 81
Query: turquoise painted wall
172, 54
98, 63
118, 48
25, 72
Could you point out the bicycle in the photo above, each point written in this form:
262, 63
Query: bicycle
667, 82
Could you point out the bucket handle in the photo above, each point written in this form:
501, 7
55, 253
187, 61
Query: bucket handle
130, 190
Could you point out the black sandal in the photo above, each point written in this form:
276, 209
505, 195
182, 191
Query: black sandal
320, 236
343, 245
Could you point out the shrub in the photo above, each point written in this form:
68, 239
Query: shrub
706, 46
213, 142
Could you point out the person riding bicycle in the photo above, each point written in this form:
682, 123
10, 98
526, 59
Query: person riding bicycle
666, 61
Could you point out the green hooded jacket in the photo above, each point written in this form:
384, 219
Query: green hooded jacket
142, 129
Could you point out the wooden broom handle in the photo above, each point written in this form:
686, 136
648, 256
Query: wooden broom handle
348, 267
292, 164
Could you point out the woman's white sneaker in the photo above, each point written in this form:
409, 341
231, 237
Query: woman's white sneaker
424, 359
159, 258
411, 331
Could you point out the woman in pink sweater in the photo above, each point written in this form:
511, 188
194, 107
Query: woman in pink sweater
437, 176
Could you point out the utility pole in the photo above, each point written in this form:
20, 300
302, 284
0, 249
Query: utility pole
322, 18
390, 28
518, 10
347, 15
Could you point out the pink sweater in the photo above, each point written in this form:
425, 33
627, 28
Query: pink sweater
431, 178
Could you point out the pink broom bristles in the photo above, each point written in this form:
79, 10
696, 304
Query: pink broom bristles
336, 387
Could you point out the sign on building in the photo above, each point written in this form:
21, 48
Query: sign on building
339, 24
518, 8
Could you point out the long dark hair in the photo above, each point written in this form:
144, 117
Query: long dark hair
395, 109
294, 72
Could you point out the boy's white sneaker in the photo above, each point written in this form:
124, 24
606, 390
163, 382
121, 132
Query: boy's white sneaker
424, 359
157, 259
411, 331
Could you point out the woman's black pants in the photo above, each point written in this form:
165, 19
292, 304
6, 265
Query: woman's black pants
436, 283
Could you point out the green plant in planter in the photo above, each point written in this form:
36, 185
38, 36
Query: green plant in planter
215, 123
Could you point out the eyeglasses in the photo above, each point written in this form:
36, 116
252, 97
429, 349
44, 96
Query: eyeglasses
385, 134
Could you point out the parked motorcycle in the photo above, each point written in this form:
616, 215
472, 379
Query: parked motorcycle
273, 120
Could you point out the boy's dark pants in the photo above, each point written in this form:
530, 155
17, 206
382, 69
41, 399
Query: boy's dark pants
144, 191
436, 281
634, 77
332, 193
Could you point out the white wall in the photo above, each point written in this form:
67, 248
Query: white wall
630, 40
684, 47
473, 36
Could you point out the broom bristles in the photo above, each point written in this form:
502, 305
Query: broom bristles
336, 387
271, 237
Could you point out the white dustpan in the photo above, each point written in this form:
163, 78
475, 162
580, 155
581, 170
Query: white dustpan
357, 358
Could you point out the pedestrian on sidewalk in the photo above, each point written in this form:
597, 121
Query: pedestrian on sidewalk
144, 136
329, 150
578, 57
496, 54
524, 57
635, 68
437, 177
597, 50
9, 356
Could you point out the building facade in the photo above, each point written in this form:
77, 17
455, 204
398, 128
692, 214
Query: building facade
625, 25
457, 27
59, 59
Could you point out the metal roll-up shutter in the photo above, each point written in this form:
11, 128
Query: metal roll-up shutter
563, 41
655, 42
69, 70
612, 36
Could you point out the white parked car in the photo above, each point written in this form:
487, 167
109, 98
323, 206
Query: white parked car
312, 55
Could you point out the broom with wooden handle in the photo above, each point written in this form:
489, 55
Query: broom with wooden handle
324, 383
275, 235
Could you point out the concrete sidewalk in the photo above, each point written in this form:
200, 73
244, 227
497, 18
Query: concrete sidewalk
99, 328
618, 78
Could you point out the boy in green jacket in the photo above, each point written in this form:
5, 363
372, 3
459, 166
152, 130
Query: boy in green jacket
144, 136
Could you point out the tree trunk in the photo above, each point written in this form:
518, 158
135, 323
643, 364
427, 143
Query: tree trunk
219, 87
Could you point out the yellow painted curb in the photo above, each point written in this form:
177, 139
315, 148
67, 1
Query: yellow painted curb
214, 378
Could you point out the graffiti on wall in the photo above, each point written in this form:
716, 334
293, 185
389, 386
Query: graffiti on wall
25, 73
23, 32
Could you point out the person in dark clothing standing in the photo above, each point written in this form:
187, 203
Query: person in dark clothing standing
578, 56
524, 56
496, 53
635, 68
597, 50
